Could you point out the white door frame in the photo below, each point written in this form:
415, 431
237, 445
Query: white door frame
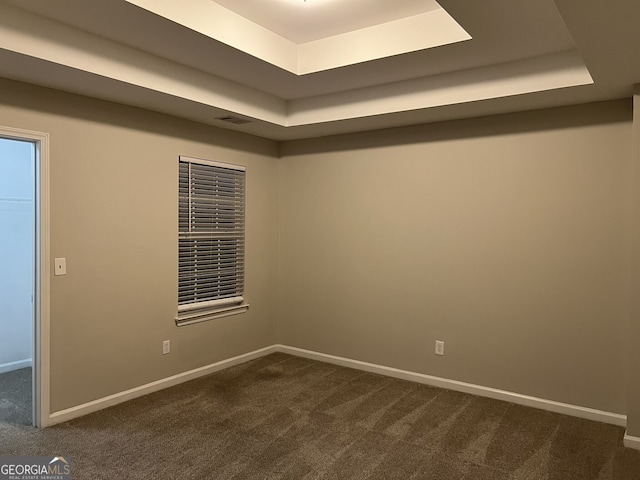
41, 304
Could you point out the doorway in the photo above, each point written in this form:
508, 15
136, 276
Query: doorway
17, 279
24, 285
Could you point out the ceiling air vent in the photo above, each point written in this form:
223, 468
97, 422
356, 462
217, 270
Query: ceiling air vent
234, 120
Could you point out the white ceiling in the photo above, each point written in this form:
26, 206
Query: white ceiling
518, 55
306, 20
417, 32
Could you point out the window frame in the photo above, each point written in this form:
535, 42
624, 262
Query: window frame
223, 231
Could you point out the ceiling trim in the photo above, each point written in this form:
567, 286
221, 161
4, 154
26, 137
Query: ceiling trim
538, 74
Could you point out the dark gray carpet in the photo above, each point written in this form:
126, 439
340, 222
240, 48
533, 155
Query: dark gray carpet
283, 417
15, 397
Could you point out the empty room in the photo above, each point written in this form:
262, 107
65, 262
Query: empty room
320, 239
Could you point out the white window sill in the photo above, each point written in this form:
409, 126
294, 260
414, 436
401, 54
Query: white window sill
204, 315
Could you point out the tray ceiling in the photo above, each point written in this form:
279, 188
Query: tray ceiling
210, 59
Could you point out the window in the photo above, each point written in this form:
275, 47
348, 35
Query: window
210, 240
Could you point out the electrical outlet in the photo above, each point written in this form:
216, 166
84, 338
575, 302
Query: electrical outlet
439, 347
166, 347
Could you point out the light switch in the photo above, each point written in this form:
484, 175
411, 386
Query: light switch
60, 266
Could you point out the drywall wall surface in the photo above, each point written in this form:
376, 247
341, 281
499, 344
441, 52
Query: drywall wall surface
17, 185
503, 237
633, 414
114, 184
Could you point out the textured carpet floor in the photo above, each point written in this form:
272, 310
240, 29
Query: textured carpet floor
282, 417
15, 396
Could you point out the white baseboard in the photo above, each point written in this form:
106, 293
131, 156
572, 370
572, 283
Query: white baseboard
111, 400
631, 441
11, 366
526, 400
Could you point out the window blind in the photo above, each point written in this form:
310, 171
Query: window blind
211, 243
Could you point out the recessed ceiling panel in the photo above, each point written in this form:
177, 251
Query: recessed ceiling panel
302, 21
425, 30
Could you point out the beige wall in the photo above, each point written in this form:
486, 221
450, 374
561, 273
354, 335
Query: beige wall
633, 415
114, 218
504, 236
